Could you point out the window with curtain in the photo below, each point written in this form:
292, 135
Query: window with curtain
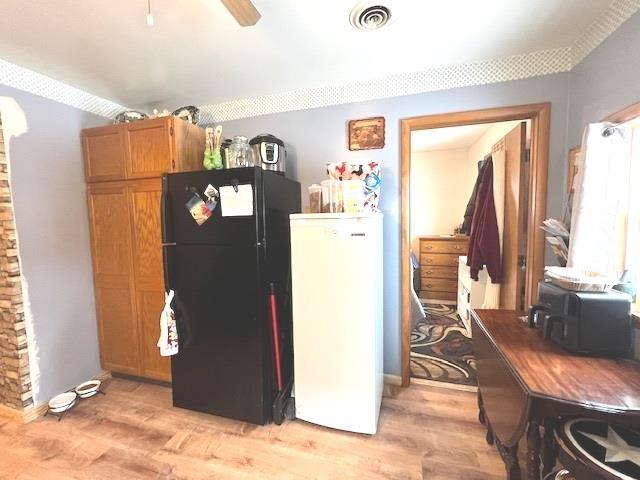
605, 221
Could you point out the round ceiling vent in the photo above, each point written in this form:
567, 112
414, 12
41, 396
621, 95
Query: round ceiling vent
367, 16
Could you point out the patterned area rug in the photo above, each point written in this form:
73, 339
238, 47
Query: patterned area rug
441, 347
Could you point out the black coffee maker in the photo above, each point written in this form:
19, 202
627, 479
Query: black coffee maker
587, 323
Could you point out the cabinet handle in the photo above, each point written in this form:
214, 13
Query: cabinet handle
429, 285
429, 272
458, 247
429, 247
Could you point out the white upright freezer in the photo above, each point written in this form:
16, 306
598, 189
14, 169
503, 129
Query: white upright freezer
336, 262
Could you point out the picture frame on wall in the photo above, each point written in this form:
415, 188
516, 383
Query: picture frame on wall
572, 167
366, 134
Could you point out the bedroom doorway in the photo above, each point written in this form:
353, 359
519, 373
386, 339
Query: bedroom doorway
443, 162
445, 170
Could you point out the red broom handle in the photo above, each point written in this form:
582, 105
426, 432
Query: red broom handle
276, 336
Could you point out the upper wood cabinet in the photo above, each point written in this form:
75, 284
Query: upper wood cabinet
143, 149
113, 276
104, 153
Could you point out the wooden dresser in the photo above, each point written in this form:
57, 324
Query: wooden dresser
439, 266
123, 167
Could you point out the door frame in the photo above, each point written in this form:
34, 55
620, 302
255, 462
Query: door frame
540, 116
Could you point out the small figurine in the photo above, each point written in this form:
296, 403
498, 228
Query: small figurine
208, 149
212, 158
188, 113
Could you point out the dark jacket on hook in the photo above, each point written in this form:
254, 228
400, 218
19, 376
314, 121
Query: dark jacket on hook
484, 241
471, 204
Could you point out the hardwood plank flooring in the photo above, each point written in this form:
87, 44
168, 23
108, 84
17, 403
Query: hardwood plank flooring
133, 432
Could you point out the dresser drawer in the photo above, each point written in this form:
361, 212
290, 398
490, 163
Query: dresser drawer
429, 295
438, 285
438, 259
458, 247
430, 271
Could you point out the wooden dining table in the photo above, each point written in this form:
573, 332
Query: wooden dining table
526, 383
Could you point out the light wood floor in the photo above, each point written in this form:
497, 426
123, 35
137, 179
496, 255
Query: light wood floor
134, 433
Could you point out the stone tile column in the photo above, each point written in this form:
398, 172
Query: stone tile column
15, 383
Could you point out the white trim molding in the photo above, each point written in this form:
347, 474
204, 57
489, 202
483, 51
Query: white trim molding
515, 67
29, 81
615, 15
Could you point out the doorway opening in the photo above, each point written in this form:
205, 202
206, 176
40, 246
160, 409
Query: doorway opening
444, 160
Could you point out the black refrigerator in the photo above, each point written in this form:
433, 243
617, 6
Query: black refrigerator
221, 272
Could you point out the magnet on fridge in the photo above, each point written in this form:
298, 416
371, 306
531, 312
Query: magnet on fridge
211, 192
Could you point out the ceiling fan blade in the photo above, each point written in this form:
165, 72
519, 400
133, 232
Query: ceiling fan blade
243, 11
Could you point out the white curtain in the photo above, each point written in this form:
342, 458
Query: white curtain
492, 290
605, 216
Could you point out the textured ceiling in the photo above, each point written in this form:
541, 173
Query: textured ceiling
300, 55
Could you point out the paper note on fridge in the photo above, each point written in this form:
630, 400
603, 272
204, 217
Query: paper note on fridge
236, 203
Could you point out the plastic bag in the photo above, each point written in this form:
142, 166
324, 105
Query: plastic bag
168, 341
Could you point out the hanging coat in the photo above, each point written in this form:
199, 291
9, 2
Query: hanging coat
484, 240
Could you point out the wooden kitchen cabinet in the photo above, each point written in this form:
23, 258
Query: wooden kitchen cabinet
124, 164
439, 266
104, 153
143, 149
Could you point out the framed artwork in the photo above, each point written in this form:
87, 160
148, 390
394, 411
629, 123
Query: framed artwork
366, 134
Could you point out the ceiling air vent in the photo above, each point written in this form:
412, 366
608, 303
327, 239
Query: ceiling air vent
367, 16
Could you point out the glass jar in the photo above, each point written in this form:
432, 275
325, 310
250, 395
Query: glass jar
240, 153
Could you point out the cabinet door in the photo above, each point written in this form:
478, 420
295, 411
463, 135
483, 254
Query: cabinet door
111, 245
144, 204
149, 148
104, 154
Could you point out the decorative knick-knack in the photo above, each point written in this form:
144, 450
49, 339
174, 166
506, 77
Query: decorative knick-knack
212, 158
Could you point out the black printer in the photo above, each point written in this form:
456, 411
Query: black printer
587, 323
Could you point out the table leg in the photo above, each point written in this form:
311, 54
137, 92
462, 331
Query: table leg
549, 453
513, 467
533, 450
510, 458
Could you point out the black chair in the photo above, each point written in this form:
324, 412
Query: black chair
591, 449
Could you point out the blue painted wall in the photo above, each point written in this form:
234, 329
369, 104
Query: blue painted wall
50, 203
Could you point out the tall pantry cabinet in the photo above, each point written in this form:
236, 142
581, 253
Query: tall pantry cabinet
123, 168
